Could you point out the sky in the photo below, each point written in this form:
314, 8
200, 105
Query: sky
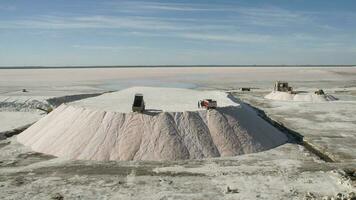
186, 32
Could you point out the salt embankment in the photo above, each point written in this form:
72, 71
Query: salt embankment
307, 97
102, 128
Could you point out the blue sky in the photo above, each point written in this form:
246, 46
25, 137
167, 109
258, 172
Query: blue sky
129, 32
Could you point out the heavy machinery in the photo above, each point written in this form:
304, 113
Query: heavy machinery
47, 110
319, 92
207, 104
282, 87
138, 104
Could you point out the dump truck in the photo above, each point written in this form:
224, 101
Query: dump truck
319, 92
138, 104
207, 104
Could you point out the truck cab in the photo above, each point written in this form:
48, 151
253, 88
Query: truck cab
207, 104
138, 103
282, 86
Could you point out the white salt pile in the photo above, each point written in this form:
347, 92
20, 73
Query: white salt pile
104, 132
308, 97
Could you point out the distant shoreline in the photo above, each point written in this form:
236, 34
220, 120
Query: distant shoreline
164, 66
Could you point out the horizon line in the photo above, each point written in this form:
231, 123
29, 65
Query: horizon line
162, 66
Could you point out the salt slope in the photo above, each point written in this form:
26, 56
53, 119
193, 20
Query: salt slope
78, 132
308, 97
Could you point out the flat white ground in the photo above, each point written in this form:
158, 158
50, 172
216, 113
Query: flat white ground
286, 172
330, 126
18, 110
12, 120
63, 81
156, 99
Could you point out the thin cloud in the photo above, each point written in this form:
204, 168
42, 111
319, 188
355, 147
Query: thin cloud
273, 16
238, 17
106, 22
226, 38
139, 6
241, 27
169, 7
56, 22
7, 8
259, 16
236, 38
111, 48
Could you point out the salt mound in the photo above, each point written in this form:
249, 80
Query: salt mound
78, 132
309, 97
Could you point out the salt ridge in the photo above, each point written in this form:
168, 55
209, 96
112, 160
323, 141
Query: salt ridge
307, 97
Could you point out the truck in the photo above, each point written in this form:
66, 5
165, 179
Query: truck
282, 86
207, 104
319, 92
138, 103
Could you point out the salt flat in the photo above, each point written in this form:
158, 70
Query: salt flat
12, 120
287, 172
329, 126
50, 80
